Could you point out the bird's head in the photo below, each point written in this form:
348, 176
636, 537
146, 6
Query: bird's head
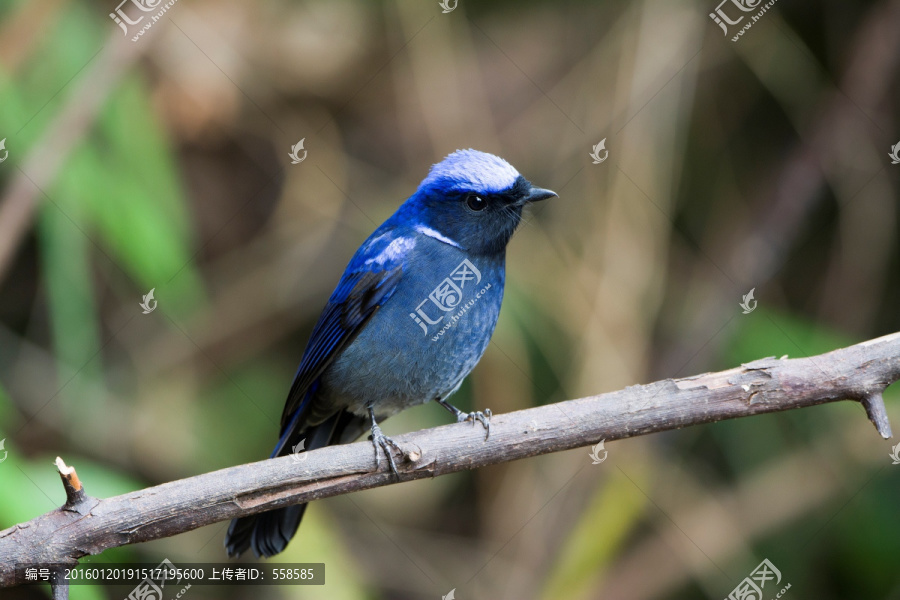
473, 200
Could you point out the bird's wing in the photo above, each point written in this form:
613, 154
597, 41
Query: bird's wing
369, 281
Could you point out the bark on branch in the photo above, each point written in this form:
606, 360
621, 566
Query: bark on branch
859, 373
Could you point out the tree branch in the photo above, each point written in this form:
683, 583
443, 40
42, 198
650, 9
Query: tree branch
859, 373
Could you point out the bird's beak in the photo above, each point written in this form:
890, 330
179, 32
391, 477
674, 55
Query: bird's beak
536, 194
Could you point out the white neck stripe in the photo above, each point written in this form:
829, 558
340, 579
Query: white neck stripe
434, 234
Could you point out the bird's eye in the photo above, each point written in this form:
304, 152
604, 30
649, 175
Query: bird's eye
476, 203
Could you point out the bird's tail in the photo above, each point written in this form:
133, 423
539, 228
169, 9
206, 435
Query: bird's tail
268, 533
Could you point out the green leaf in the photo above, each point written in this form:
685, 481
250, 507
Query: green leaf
124, 184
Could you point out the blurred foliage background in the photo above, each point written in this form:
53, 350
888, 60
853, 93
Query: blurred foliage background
163, 164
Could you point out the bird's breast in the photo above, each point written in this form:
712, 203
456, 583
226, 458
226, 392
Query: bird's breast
425, 339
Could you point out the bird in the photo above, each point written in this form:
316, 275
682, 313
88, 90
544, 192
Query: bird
410, 318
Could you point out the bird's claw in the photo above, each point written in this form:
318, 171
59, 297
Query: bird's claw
386, 443
483, 417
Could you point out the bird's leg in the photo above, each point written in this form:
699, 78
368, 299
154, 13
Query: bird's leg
483, 417
386, 443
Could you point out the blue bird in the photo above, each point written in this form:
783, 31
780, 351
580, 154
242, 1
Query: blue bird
409, 320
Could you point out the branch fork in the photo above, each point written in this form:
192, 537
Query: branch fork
877, 413
75, 496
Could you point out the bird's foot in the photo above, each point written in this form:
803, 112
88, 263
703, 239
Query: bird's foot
386, 444
482, 417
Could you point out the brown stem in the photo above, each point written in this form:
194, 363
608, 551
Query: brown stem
74, 490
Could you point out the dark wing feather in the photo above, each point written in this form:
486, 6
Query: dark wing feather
357, 298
